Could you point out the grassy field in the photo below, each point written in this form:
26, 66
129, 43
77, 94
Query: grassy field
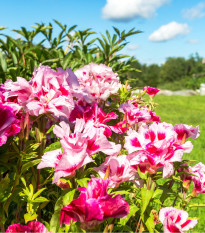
191, 111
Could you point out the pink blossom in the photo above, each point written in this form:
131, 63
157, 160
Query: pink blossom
159, 144
96, 115
134, 114
99, 80
50, 159
198, 177
94, 205
141, 161
33, 226
9, 125
120, 127
120, 170
175, 220
78, 147
152, 91
20, 90
48, 91
74, 156
154, 117
16, 228
191, 132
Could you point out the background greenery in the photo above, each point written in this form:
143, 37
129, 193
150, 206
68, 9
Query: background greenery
175, 74
187, 110
58, 45
68, 48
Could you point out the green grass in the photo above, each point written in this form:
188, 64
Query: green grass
191, 111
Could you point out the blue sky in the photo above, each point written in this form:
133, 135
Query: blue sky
170, 27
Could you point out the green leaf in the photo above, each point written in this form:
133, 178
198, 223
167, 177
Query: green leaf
102, 43
133, 210
150, 223
66, 60
40, 199
3, 62
55, 222
83, 182
26, 166
15, 60
157, 192
5, 188
71, 28
53, 146
50, 130
146, 197
50, 61
123, 192
38, 193
1, 28
197, 205
59, 24
141, 174
117, 31
59, 204
30, 217
23, 181
68, 197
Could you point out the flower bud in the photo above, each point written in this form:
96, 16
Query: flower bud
62, 183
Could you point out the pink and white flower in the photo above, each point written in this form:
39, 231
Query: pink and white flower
99, 81
78, 147
159, 144
120, 170
134, 114
186, 130
198, 177
94, 205
175, 220
49, 91
94, 114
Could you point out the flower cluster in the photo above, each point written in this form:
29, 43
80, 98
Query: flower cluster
98, 141
48, 91
99, 81
157, 145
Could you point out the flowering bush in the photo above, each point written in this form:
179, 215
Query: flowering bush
80, 152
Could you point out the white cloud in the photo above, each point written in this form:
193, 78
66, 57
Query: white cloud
169, 32
194, 12
192, 41
124, 10
132, 46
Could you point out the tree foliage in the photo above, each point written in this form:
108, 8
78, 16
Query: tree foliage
69, 48
175, 73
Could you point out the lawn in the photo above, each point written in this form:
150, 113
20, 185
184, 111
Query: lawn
191, 111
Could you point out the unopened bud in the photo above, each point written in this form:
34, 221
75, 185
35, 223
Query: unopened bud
62, 183
194, 193
186, 184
